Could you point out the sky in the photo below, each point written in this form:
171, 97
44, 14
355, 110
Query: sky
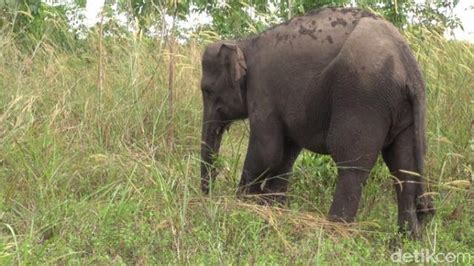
93, 9
462, 10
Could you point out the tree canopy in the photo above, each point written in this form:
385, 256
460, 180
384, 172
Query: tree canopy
230, 18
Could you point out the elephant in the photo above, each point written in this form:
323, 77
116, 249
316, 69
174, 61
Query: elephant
337, 81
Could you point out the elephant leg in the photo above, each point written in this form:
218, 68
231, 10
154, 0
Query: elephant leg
412, 206
277, 184
264, 154
354, 145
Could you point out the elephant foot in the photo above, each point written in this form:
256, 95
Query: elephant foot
425, 209
409, 225
265, 199
411, 220
275, 200
339, 219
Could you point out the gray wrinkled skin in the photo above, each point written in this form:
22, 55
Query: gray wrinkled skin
342, 82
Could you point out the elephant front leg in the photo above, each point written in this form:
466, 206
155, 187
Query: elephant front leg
277, 184
264, 157
270, 182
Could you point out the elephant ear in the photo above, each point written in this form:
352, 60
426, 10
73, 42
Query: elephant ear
234, 61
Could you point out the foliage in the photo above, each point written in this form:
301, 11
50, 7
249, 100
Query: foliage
231, 18
32, 20
237, 18
146, 15
436, 15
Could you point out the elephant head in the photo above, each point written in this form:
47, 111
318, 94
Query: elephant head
224, 100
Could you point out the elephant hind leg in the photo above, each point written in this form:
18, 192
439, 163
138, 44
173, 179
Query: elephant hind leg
413, 207
354, 143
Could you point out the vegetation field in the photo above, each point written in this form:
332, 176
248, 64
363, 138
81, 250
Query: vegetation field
95, 168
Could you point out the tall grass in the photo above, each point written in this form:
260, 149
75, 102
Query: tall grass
88, 175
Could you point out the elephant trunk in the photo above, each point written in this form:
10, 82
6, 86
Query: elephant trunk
212, 131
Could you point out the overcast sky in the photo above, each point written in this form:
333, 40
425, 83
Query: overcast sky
462, 10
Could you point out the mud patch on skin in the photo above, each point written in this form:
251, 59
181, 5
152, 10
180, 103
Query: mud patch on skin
298, 21
365, 14
280, 38
310, 32
339, 21
329, 38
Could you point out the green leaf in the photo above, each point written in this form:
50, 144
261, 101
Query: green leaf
81, 3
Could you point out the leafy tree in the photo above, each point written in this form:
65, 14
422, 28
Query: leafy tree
436, 14
32, 20
147, 15
231, 18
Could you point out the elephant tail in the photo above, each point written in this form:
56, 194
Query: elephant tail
416, 96
415, 86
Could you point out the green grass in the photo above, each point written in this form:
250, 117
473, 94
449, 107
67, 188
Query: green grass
88, 175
